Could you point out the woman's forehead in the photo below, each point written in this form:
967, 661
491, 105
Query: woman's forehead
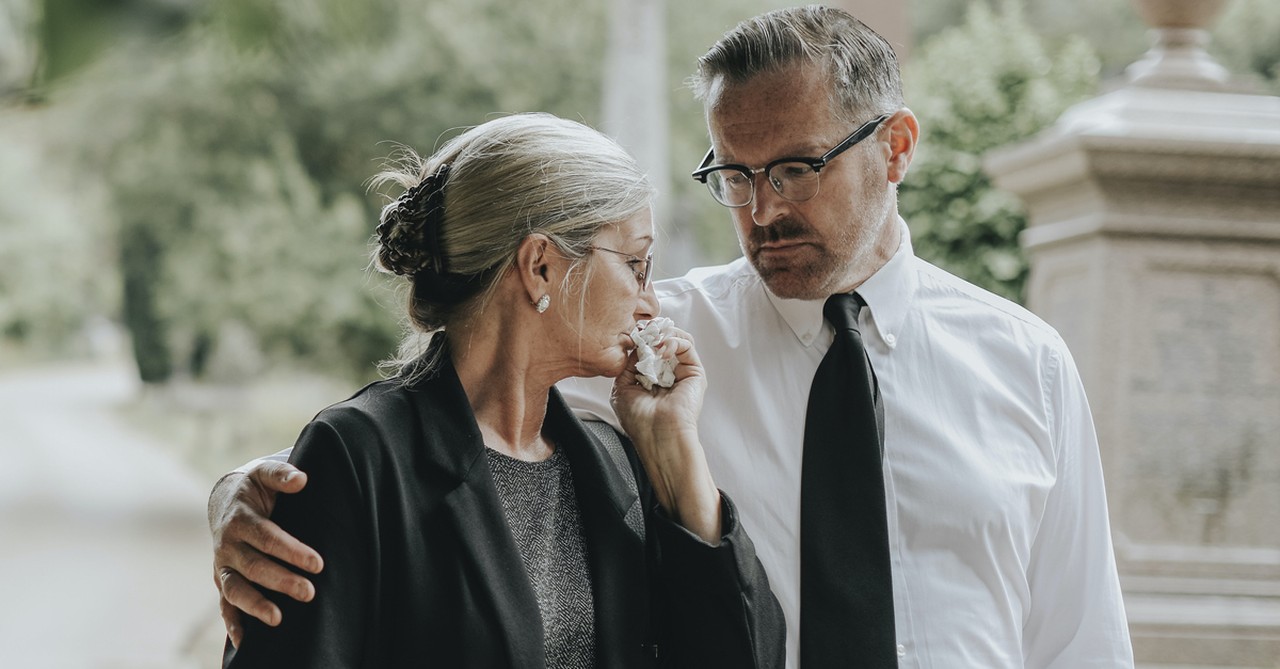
638, 228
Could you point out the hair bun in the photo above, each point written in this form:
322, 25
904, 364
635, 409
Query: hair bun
409, 232
402, 243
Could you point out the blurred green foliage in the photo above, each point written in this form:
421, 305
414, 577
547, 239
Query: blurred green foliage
72, 33
983, 84
198, 169
235, 157
57, 268
1245, 38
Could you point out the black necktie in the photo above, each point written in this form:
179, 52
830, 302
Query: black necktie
846, 590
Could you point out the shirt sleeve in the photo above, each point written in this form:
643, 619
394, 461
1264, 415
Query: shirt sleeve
282, 456
1076, 618
328, 516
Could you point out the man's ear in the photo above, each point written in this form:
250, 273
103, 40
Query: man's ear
536, 265
902, 131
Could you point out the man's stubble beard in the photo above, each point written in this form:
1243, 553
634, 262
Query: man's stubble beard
841, 262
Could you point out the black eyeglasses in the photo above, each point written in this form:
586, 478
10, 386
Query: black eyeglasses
641, 267
794, 177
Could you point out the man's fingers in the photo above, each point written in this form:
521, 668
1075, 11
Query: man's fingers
247, 522
251, 565
278, 476
239, 594
245, 542
231, 620
268, 538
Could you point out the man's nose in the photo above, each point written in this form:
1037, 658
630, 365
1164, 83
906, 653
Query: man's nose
767, 205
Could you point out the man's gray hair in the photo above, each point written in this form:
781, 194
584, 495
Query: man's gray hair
861, 66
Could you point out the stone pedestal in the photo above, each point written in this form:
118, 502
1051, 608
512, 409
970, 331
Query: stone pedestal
1154, 238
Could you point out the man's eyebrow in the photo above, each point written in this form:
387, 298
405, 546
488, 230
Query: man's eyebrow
807, 150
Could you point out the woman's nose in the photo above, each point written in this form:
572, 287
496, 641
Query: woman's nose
647, 306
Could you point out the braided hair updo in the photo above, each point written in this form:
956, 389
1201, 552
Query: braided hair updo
456, 227
408, 231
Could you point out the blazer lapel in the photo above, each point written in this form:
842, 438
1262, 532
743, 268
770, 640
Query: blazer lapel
619, 573
499, 589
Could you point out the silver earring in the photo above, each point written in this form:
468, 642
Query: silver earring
543, 303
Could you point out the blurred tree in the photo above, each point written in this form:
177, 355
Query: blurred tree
56, 268
17, 45
236, 156
984, 84
141, 261
1247, 39
71, 34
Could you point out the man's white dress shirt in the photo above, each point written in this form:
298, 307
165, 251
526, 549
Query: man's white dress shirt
998, 532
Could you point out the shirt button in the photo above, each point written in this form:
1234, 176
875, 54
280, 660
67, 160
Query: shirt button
902, 650
890, 339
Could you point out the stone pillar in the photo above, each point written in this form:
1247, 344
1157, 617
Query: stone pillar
1154, 239
636, 106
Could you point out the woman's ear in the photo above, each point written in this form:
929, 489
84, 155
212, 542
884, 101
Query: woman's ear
902, 132
537, 264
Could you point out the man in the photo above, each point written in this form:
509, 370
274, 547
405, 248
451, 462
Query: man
994, 546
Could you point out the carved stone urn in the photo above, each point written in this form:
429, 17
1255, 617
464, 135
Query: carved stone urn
1177, 58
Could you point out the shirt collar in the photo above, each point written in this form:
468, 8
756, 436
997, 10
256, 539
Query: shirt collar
888, 295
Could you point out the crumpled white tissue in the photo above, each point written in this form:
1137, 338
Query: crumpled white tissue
653, 369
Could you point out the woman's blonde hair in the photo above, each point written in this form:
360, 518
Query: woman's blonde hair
454, 232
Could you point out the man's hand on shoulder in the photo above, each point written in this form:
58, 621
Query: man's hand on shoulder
245, 541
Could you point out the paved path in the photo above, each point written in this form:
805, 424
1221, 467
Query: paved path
104, 556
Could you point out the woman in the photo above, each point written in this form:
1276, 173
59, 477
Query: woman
466, 518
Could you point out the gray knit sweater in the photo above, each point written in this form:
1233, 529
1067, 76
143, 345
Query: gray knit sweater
542, 510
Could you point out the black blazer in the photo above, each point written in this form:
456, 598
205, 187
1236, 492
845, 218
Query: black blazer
421, 569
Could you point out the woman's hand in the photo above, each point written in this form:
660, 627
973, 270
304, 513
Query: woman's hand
663, 425
662, 411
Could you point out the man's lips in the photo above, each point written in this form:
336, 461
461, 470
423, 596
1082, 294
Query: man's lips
781, 247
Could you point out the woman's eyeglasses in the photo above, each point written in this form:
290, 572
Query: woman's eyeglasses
641, 267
